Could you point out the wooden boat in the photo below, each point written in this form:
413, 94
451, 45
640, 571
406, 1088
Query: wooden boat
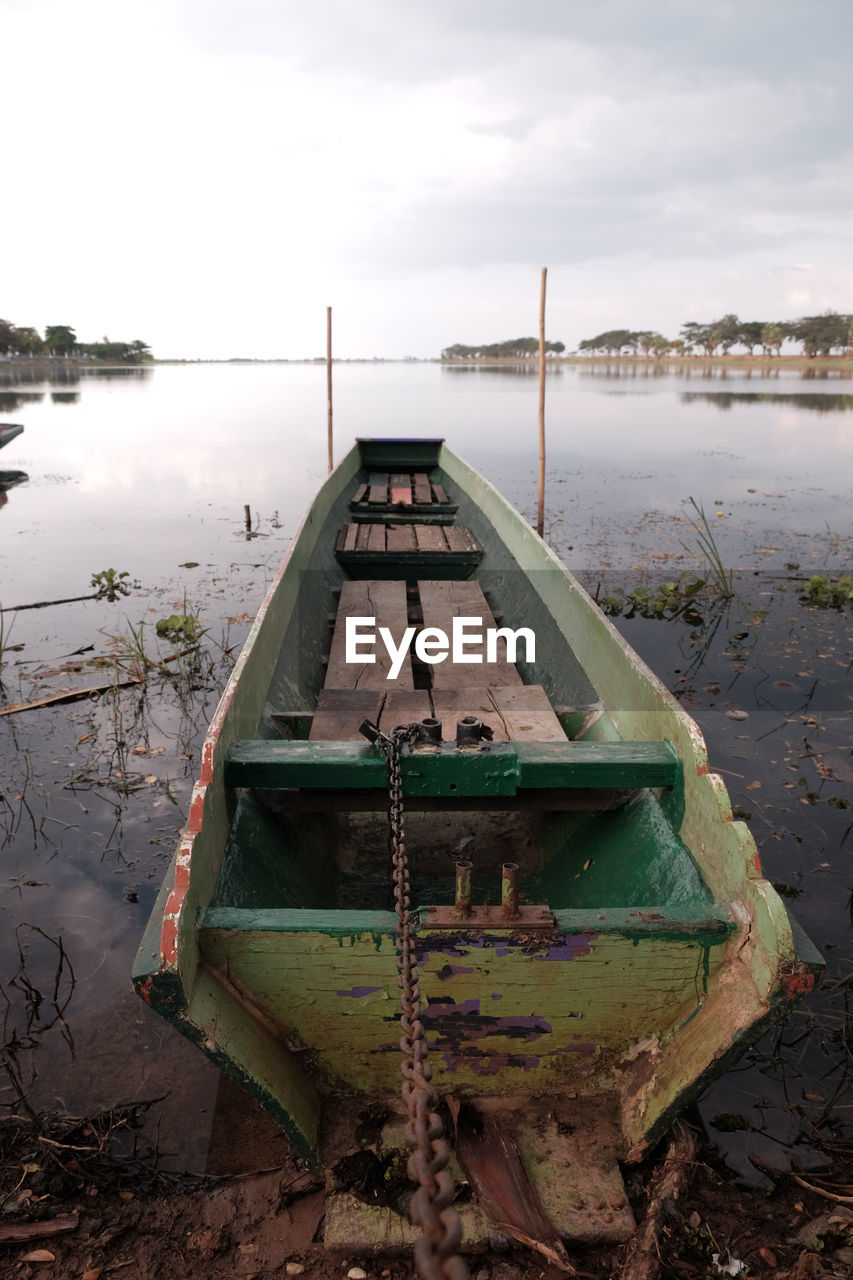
587, 998
8, 431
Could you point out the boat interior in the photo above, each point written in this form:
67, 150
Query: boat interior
405, 547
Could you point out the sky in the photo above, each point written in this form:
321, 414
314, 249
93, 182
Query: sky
210, 175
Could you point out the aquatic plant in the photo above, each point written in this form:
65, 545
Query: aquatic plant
719, 578
109, 584
822, 591
181, 628
5, 634
668, 600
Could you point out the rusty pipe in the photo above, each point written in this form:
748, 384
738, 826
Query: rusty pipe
509, 889
463, 887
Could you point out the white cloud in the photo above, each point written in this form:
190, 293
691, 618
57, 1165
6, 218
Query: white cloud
208, 176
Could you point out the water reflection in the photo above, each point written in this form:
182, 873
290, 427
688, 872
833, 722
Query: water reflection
65, 397
816, 402
10, 401
522, 369
32, 373
8, 480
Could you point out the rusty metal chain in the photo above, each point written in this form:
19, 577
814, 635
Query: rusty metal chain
436, 1252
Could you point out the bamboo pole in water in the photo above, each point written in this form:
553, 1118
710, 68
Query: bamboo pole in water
329, 382
540, 517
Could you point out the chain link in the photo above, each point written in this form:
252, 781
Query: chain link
436, 1252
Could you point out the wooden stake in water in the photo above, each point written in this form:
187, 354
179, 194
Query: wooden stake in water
540, 517
329, 381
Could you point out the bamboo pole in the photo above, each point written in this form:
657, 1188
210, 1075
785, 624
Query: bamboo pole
329, 382
540, 517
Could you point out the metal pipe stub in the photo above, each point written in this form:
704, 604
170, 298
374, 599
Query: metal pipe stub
429, 730
469, 731
509, 889
463, 887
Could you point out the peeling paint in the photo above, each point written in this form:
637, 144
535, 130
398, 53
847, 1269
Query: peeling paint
357, 992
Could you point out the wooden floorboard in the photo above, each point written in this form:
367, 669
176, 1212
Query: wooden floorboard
423, 493
340, 712
402, 707
430, 537
386, 602
401, 537
442, 601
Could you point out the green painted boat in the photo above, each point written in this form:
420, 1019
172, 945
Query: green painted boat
594, 990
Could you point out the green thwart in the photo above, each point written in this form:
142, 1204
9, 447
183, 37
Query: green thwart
646, 949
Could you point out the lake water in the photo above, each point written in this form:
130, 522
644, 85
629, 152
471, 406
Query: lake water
148, 472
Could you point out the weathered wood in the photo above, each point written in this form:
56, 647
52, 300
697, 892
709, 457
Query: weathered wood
439, 494
362, 537
526, 713
520, 712
442, 601
350, 537
378, 489
450, 705
403, 708
401, 489
386, 602
360, 494
68, 695
461, 539
340, 712
423, 493
376, 537
16, 1232
642, 1260
430, 537
401, 537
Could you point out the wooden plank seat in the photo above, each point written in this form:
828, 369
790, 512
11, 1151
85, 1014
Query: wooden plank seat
368, 598
409, 496
389, 550
441, 602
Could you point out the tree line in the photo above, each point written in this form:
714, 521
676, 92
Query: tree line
512, 348
61, 340
817, 335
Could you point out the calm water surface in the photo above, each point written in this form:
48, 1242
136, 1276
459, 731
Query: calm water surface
149, 472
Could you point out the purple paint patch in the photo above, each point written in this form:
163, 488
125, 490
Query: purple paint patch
497, 995
449, 1008
534, 1025
571, 946
357, 992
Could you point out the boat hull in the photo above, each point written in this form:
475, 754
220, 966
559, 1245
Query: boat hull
663, 949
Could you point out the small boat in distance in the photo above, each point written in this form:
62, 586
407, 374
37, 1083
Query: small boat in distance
594, 935
8, 431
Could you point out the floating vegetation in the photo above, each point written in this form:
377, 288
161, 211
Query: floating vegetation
828, 593
109, 584
181, 628
669, 600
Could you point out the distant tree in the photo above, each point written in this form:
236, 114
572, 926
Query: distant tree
661, 346
750, 334
772, 337
703, 336
28, 341
821, 334
59, 339
7, 337
727, 330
